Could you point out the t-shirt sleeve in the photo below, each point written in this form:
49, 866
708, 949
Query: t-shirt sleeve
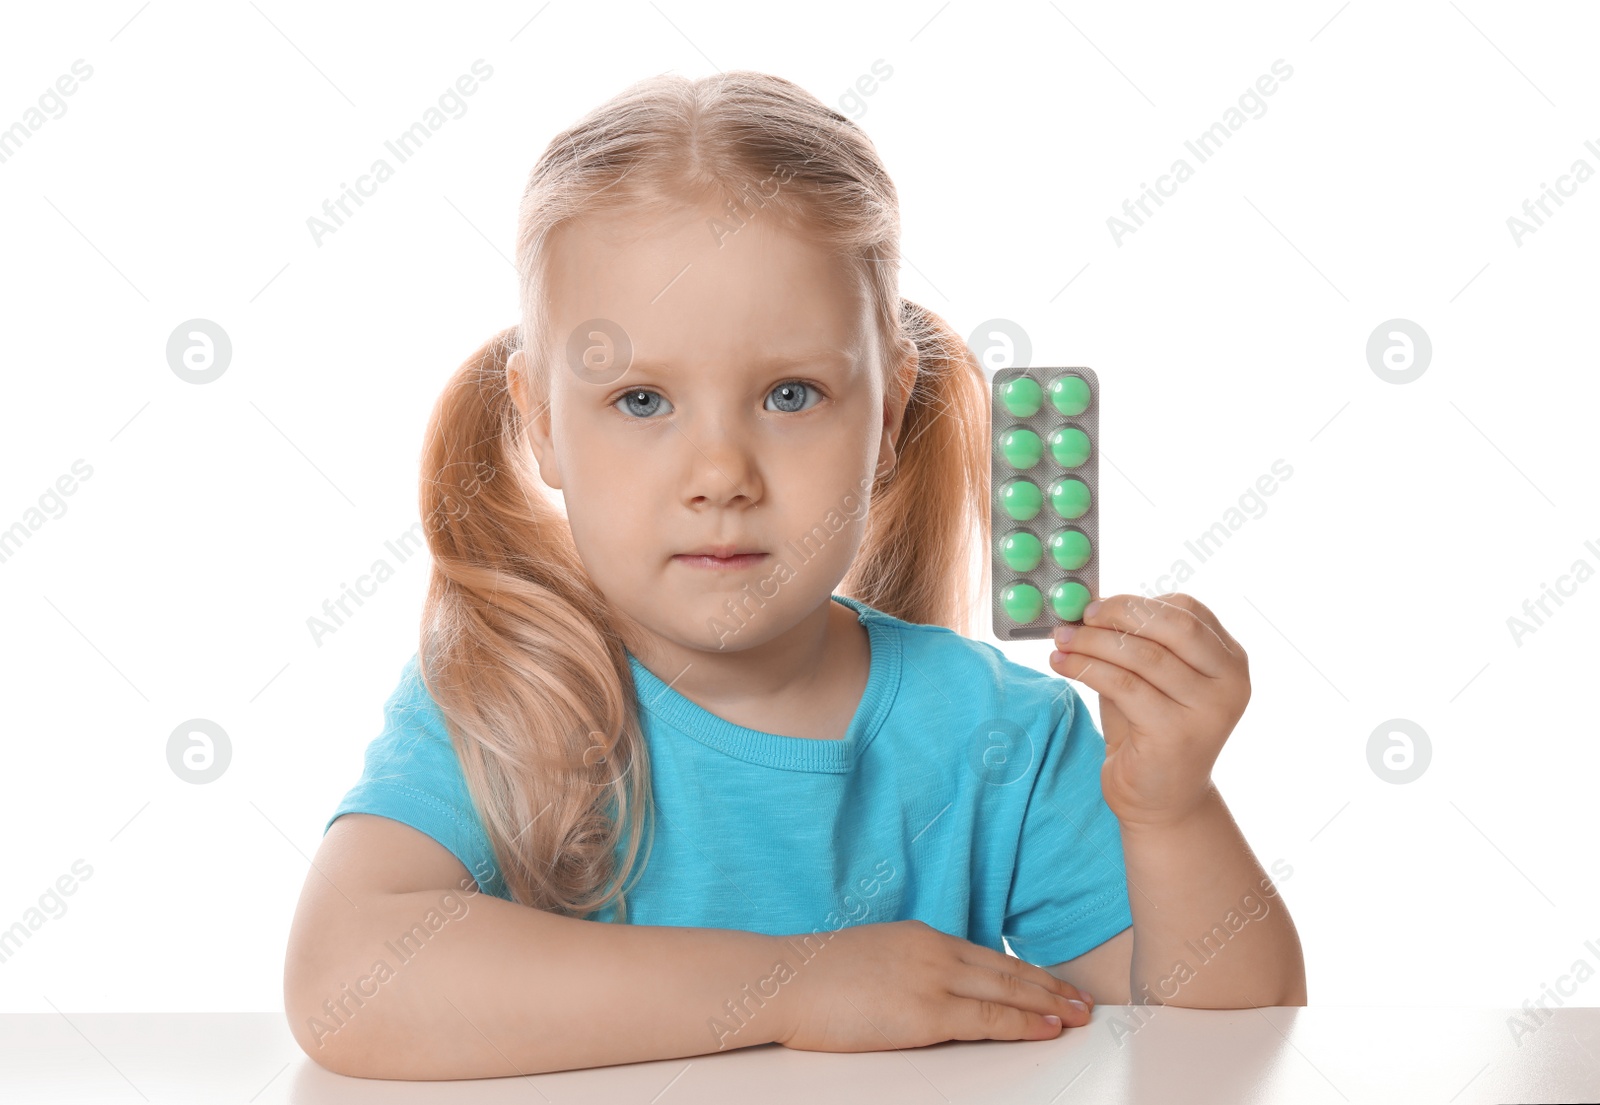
412, 775
1069, 889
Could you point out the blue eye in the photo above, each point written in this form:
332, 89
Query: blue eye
649, 409
792, 396
792, 391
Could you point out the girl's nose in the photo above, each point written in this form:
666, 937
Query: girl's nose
720, 468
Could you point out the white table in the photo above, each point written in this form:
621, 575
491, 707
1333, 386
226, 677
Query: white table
1302, 1056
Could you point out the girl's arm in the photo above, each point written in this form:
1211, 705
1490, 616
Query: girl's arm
394, 972
1209, 930
1172, 683
479, 987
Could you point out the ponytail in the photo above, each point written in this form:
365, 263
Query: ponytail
517, 650
915, 560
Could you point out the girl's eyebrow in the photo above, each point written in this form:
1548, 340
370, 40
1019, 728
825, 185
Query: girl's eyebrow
776, 360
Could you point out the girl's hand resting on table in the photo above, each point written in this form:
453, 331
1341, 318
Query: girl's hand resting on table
906, 984
1172, 683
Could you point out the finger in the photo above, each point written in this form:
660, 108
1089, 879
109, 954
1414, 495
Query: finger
1151, 661
979, 956
1145, 706
992, 998
994, 1020
1008, 988
1182, 631
1203, 612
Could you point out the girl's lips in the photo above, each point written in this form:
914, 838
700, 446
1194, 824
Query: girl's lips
718, 563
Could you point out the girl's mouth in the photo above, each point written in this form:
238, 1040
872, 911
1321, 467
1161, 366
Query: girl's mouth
721, 563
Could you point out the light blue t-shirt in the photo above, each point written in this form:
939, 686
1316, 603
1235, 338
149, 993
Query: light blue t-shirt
965, 794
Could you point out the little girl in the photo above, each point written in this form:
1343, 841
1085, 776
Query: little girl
705, 759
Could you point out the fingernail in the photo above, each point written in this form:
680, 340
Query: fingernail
1063, 634
1052, 1020
1088, 997
1092, 609
1074, 1001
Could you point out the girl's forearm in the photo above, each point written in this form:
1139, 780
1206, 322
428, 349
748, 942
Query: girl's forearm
503, 989
1209, 929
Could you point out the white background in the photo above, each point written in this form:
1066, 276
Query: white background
1229, 331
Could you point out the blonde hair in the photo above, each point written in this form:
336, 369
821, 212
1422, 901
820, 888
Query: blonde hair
517, 644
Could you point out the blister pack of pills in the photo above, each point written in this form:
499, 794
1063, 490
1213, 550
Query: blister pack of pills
1044, 504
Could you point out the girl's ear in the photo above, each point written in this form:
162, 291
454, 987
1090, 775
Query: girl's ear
538, 425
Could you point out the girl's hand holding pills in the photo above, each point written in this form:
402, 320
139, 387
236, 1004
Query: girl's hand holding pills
1172, 684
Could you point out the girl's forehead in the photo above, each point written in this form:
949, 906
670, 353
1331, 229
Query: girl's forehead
673, 288
622, 243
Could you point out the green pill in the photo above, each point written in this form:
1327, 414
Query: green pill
1068, 598
1069, 446
1069, 548
1022, 396
1070, 498
1021, 551
1069, 394
1021, 499
1021, 448
1022, 602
